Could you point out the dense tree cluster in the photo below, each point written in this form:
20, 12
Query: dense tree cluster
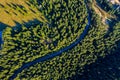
66, 21
95, 45
110, 8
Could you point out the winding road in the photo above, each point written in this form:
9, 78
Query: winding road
51, 55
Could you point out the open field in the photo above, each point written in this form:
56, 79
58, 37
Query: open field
18, 11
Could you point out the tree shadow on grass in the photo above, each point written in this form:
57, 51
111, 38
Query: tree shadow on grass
27, 24
3, 26
33, 22
107, 68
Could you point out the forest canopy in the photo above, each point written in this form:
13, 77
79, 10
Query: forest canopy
71, 28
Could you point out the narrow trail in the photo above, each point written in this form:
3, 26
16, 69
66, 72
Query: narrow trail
51, 55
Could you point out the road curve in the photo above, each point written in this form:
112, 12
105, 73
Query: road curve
51, 55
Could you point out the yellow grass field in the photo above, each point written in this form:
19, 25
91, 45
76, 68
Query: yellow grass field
20, 11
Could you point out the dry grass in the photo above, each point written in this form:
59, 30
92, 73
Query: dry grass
20, 11
103, 14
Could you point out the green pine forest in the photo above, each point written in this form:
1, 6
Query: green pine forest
63, 23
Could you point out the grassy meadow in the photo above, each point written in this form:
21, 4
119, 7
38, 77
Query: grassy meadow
19, 11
